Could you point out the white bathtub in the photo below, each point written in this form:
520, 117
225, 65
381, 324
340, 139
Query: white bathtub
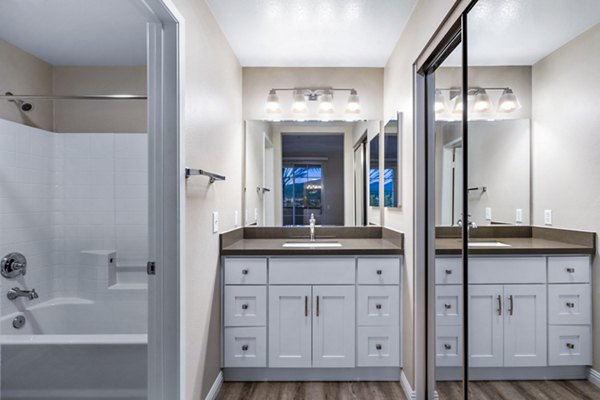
75, 349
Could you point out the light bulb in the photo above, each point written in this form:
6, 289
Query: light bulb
326, 103
439, 104
353, 106
482, 101
508, 102
299, 105
273, 106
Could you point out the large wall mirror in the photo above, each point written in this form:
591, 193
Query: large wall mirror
293, 170
374, 172
392, 163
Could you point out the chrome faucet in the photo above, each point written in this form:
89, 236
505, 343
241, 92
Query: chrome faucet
312, 222
15, 293
471, 224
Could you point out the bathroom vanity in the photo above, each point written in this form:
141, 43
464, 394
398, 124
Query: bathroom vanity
309, 312
530, 303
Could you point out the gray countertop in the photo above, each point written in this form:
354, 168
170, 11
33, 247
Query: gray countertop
350, 246
518, 245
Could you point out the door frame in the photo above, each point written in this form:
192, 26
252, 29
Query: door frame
166, 317
444, 40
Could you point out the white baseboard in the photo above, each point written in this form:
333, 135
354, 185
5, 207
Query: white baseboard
408, 390
216, 386
594, 377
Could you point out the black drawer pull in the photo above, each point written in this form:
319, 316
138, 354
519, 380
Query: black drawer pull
378, 306
245, 347
571, 305
379, 272
447, 346
570, 346
378, 346
447, 306
244, 306
448, 272
570, 270
245, 272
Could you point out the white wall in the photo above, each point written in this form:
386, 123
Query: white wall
398, 96
213, 130
566, 144
367, 81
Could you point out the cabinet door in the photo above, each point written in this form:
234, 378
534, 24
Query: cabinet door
333, 327
290, 326
485, 325
525, 326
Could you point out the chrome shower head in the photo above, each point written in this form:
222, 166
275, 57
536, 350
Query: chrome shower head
23, 105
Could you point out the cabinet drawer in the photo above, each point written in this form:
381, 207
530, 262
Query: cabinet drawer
448, 305
312, 271
570, 304
378, 271
245, 271
570, 345
378, 347
568, 269
507, 270
245, 347
448, 346
378, 305
448, 271
245, 305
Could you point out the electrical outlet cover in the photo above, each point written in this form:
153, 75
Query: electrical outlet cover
548, 217
519, 215
488, 213
215, 218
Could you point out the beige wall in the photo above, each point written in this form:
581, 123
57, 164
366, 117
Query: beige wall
214, 141
22, 73
566, 143
398, 96
115, 116
367, 81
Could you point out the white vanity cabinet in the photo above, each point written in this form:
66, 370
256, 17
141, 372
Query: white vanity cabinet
317, 312
523, 311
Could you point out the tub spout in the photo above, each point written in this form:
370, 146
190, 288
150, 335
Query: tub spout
15, 293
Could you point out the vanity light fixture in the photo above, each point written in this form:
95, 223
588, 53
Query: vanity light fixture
478, 100
508, 101
301, 96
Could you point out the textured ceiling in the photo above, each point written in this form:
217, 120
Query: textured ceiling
76, 32
312, 33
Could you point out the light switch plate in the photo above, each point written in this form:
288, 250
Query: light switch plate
519, 216
488, 213
215, 221
547, 217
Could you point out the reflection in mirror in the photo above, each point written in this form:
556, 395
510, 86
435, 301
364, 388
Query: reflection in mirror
499, 177
294, 169
374, 172
392, 162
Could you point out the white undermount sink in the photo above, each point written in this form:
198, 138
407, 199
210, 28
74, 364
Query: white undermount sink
312, 245
488, 244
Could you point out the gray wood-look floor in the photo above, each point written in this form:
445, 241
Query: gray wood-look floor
521, 390
311, 391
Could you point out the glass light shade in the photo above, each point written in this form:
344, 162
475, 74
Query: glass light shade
326, 103
299, 105
458, 104
273, 106
353, 106
508, 102
440, 102
482, 102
